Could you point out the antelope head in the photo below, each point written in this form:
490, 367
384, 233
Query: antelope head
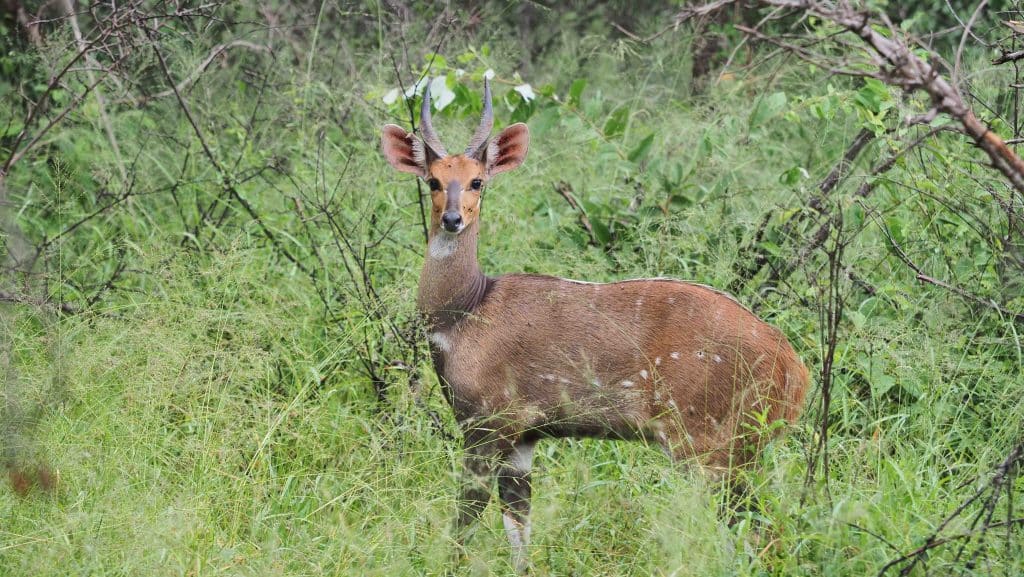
456, 182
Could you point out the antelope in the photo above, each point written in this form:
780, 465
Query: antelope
523, 356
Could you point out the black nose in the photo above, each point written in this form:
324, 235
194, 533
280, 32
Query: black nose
451, 220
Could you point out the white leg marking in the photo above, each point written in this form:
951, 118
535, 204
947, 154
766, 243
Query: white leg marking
521, 458
518, 537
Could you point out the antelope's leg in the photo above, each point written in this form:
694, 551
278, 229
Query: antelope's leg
514, 491
479, 465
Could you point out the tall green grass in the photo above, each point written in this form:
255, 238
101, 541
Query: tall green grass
208, 415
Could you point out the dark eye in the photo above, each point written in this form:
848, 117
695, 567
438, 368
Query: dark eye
476, 183
434, 184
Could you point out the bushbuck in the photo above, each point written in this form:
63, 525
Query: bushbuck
524, 356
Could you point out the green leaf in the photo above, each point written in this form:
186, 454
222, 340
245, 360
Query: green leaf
439, 62
872, 95
767, 108
601, 231
772, 248
576, 90
793, 175
13, 129
616, 123
642, 149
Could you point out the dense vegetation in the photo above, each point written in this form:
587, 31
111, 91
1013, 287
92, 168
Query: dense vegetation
211, 359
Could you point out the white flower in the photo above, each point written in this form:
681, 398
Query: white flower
440, 93
526, 91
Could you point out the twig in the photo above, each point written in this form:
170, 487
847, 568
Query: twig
681, 17
963, 40
995, 485
64, 307
412, 114
921, 276
821, 234
565, 190
101, 103
226, 182
197, 72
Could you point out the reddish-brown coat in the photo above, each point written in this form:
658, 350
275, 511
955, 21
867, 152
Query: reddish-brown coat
676, 363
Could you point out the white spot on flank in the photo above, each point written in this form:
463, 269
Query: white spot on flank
700, 354
643, 374
627, 384
671, 300
442, 245
597, 382
441, 341
548, 377
657, 361
718, 359
675, 355
639, 301
564, 380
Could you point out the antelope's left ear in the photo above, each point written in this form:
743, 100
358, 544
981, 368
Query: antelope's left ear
507, 150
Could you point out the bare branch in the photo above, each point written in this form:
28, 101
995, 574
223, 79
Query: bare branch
195, 74
565, 190
921, 276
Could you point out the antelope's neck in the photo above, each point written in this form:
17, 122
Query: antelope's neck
451, 284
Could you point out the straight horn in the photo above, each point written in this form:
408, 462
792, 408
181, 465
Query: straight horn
430, 137
478, 143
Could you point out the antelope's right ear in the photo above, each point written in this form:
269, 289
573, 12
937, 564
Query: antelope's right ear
403, 150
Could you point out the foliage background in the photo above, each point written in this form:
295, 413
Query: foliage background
211, 360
